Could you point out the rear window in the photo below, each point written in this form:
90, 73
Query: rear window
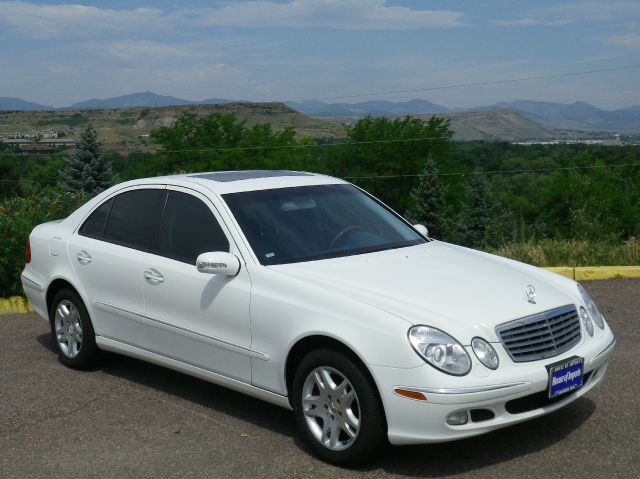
134, 218
95, 223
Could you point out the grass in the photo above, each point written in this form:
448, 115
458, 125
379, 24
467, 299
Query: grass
558, 252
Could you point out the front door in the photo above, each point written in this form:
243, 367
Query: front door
197, 318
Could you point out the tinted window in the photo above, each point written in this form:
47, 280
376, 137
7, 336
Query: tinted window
189, 229
94, 225
133, 220
308, 223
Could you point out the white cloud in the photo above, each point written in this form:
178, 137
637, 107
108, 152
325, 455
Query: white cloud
339, 14
62, 20
563, 13
529, 22
629, 40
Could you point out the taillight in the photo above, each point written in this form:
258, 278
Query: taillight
28, 252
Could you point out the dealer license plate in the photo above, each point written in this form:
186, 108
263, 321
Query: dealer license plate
565, 376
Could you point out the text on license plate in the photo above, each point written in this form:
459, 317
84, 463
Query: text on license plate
565, 376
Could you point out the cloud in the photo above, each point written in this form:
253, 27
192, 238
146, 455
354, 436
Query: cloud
338, 14
529, 22
563, 13
61, 20
629, 40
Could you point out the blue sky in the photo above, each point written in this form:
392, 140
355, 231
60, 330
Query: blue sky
58, 53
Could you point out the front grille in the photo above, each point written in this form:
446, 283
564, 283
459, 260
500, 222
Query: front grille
541, 335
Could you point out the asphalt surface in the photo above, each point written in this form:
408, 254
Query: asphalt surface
131, 419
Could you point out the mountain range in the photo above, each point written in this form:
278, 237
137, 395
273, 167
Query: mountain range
575, 116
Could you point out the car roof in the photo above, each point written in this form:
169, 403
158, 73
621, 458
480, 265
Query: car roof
223, 182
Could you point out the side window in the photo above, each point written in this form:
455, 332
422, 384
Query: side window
133, 220
94, 224
189, 229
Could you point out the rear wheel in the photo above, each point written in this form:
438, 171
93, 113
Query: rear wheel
72, 330
338, 409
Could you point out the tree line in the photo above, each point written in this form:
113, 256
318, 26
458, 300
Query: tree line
477, 194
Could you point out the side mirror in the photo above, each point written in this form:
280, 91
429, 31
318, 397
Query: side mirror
422, 229
218, 262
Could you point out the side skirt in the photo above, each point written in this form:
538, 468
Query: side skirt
138, 353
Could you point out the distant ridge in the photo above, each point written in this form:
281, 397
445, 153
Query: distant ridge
142, 99
373, 107
578, 115
16, 104
574, 116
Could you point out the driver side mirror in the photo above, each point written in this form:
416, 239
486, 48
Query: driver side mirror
422, 229
218, 262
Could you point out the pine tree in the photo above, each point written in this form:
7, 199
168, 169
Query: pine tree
483, 217
88, 169
428, 202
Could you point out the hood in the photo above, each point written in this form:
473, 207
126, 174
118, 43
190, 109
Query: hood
464, 292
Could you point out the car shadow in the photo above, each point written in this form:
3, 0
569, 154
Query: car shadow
191, 389
432, 460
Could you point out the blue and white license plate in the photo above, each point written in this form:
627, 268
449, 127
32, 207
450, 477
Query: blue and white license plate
565, 376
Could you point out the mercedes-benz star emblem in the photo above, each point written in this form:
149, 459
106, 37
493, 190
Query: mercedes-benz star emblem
530, 291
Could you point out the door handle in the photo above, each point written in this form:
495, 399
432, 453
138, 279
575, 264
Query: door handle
83, 257
153, 276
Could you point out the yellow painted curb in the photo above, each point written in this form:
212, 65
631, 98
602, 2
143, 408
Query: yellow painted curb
14, 305
586, 273
606, 272
562, 270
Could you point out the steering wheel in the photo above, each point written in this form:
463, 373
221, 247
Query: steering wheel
336, 239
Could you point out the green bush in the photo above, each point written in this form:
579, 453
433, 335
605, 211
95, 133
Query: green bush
18, 216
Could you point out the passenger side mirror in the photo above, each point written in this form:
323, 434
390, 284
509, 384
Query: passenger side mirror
422, 229
218, 262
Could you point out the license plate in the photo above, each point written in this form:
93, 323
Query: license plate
565, 376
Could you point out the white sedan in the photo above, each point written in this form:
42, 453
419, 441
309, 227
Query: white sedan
305, 291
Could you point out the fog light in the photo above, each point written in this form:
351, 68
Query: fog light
457, 418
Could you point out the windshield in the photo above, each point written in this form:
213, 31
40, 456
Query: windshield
306, 223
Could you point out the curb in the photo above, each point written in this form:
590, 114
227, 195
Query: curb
586, 273
15, 305
19, 304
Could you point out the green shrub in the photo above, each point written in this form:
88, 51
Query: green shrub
18, 216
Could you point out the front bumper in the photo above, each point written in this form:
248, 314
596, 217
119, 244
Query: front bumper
492, 399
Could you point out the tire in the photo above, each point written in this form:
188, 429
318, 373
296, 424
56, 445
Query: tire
338, 409
72, 330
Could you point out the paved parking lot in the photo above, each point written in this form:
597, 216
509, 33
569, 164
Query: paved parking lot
131, 419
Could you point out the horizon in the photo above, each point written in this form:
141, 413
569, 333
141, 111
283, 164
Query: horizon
327, 102
58, 54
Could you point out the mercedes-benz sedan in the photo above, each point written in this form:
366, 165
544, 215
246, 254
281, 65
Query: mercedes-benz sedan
305, 291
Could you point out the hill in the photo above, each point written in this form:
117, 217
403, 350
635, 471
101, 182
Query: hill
577, 116
16, 104
492, 125
373, 107
142, 99
126, 128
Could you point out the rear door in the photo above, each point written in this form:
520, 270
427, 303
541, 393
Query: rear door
109, 253
200, 319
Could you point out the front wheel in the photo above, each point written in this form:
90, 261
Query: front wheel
338, 409
72, 330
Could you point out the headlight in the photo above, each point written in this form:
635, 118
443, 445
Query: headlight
593, 310
485, 353
587, 320
440, 350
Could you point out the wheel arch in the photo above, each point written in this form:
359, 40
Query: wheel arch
57, 285
320, 341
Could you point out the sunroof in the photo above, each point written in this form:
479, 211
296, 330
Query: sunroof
225, 176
